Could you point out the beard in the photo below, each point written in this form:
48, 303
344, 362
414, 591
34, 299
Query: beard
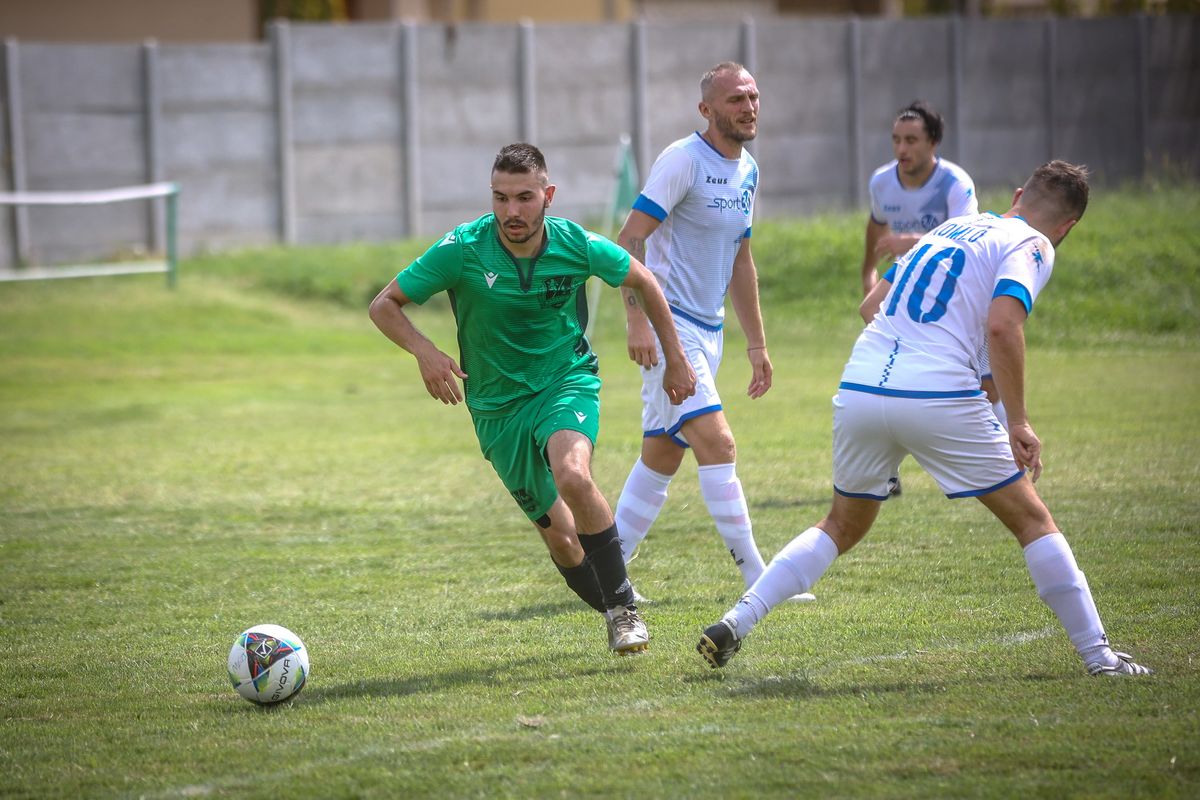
729, 129
534, 229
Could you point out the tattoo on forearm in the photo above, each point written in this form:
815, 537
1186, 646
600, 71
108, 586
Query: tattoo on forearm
637, 248
630, 299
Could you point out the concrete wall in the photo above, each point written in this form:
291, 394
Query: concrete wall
333, 133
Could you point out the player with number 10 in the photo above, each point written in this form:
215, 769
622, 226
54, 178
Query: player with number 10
911, 386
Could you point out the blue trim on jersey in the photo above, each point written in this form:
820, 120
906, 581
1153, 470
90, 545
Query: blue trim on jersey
861, 496
977, 492
694, 321
890, 275
985, 377
1010, 288
648, 206
700, 136
746, 235
908, 393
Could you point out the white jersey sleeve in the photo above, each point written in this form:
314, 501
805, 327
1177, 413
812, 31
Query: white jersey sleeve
1024, 270
670, 179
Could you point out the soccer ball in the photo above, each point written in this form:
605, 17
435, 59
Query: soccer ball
268, 664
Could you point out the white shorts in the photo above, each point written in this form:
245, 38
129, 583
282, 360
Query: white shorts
957, 440
703, 348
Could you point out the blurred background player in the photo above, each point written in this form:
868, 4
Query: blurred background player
516, 279
910, 388
691, 225
911, 195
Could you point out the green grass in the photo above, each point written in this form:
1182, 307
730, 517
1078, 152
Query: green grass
175, 467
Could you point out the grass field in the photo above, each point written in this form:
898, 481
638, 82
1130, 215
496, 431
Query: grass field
175, 467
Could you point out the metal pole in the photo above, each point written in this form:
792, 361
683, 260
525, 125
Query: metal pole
956, 93
172, 220
641, 120
411, 142
1051, 84
16, 147
281, 46
152, 121
526, 86
853, 53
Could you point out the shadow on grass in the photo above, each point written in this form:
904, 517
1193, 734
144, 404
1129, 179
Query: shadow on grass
533, 611
517, 672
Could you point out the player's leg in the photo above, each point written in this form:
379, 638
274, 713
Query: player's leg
865, 456
557, 529
1059, 581
645, 490
795, 570
716, 457
569, 453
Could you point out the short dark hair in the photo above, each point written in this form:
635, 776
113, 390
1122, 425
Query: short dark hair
706, 80
520, 158
931, 119
1059, 184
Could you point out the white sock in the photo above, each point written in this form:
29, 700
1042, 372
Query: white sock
722, 493
797, 567
642, 498
1001, 414
1064, 588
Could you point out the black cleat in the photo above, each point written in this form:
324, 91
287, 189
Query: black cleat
718, 644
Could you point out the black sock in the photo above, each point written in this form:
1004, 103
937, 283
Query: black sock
603, 549
582, 580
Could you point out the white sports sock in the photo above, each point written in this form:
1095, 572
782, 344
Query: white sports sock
797, 567
1001, 413
1064, 588
642, 498
726, 503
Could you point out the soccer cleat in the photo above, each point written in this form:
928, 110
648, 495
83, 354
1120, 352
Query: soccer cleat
894, 488
805, 597
626, 631
1125, 666
718, 644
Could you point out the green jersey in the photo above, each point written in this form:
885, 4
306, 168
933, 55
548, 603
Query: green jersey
520, 320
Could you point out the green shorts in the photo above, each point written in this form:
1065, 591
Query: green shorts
515, 444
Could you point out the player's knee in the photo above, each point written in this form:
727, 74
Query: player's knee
574, 483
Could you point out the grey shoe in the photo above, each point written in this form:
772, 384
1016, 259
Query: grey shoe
626, 631
718, 644
1125, 666
804, 597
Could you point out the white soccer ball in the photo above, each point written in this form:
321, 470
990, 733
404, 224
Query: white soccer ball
268, 664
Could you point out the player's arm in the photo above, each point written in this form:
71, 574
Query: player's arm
1006, 343
743, 294
634, 233
438, 370
869, 307
875, 232
679, 379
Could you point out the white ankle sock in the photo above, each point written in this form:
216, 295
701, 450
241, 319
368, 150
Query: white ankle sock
642, 498
1063, 587
797, 567
722, 492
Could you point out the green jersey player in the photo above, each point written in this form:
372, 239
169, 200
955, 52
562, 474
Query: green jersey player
516, 281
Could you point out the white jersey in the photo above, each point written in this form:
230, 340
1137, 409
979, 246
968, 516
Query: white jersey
705, 203
926, 338
949, 192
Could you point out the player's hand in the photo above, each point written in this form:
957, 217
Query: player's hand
439, 371
761, 372
893, 245
643, 345
679, 380
1027, 449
